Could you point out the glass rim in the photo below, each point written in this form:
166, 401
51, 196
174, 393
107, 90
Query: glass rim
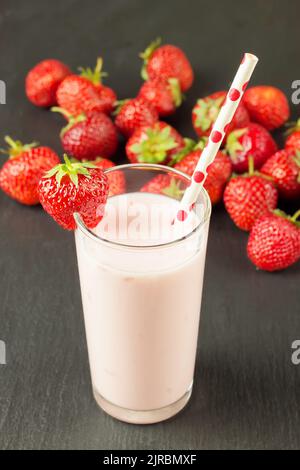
146, 166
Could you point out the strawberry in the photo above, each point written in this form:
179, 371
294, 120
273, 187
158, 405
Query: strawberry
74, 187
88, 135
164, 94
249, 196
21, 173
267, 105
219, 172
206, 110
253, 140
82, 93
293, 140
284, 168
107, 97
163, 184
274, 241
154, 144
42, 81
116, 179
167, 61
134, 113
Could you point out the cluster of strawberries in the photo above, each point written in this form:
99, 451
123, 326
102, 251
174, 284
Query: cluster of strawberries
260, 174
90, 137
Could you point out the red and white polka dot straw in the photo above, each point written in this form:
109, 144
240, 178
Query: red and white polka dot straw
217, 134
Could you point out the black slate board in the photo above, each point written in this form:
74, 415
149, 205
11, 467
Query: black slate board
246, 392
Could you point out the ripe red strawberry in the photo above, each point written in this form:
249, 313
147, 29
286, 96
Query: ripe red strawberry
107, 97
253, 140
116, 179
293, 139
20, 174
89, 135
274, 241
249, 196
43, 80
218, 174
164, 95
154, 144
74, 187
167, 62
267, 105
134, 113
164, 184
206, 110
82, 93
284, 168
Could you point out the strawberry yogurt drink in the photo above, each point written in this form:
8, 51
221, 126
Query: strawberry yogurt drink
141, 283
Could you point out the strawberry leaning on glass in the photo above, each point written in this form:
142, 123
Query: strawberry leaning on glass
74, 187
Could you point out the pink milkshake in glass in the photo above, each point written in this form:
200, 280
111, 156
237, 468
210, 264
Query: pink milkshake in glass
141, 283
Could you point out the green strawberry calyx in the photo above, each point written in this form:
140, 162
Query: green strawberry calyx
94, 75
292, 127
206, 112
16, 148
118, 105
72, 119
173, 190
291, 218
71, 169
155, 146
201, 143
174, 87
233, 145
252, 171
146, 54
189, 146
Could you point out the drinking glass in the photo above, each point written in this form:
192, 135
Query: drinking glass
141, 284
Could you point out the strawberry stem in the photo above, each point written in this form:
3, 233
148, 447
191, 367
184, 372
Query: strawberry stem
175, 91
250, 165
292, 127
64, 112
72, 119
94, 75
16, 148
292, 219
295, 216
201, 143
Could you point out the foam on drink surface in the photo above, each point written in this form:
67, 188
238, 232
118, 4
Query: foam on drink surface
143, 219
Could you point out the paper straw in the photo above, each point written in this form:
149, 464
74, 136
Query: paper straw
217, 134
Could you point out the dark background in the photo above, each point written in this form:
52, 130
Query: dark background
246, 392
